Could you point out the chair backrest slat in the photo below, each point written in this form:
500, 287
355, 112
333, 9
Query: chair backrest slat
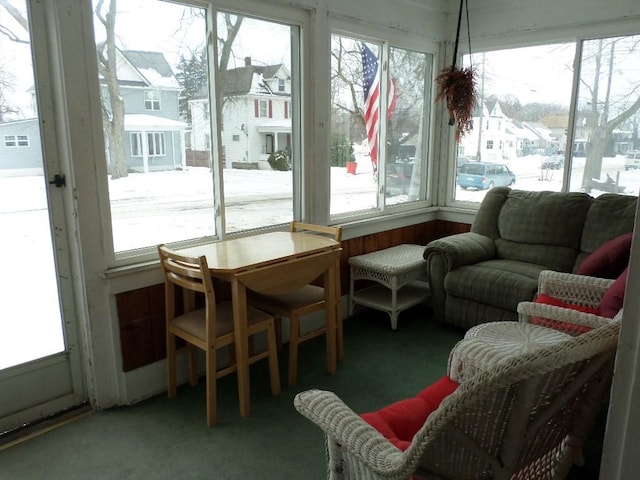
333, 232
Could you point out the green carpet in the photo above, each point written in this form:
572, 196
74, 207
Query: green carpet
161, 438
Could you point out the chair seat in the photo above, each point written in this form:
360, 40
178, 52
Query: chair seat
194, 322
302, 297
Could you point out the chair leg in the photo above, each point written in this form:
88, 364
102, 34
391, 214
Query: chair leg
211, 386
193, 365
339, 333
171, 365
294, 336
277, 321
272, 348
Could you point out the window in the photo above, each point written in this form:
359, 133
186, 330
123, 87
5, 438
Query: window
379, 178
529, 91
136, 144
153, 178
152, 100
11, 141
521, 116
281, 85
262, 108
607, 116
156, 144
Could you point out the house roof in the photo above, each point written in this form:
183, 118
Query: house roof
249, 79
145, 69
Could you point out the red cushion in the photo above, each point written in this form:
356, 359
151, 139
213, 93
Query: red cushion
613, 298
400, 421
558, 325
608, 260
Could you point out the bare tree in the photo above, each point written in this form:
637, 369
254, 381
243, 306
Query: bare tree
113, 106
606, 110
21, 20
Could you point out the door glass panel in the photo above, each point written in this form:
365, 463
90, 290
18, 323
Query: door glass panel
30, 324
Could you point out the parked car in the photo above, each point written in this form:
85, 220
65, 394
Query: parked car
484, 175
553, 162
398, 178
632, 160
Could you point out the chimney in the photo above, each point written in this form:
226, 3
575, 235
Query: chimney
247, 61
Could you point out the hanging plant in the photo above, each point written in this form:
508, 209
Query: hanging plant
457, 86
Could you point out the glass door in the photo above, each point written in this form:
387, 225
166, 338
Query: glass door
39, 357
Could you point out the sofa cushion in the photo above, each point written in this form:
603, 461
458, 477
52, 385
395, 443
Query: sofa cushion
542, 227
400, 421
613, 298
610, 216
609, 260
503, 283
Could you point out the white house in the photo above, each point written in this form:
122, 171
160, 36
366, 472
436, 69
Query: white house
256, 115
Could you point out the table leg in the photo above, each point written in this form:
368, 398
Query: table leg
330, 309
239, 294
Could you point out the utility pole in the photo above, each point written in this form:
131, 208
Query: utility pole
479, 152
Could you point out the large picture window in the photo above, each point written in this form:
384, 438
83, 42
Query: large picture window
169, 163
520, 123
523, 118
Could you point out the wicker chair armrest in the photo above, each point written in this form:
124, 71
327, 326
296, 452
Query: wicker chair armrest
573, 288
527, 310
349, 430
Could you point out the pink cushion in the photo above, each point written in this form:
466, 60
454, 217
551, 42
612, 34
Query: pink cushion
400, 421
613, 298
608, 260
558, 325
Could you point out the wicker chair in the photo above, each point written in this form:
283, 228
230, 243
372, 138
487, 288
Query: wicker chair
525, 418
572, 289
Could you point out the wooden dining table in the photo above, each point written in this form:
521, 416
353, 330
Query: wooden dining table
273, 263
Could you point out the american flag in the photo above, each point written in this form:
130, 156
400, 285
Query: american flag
371, 101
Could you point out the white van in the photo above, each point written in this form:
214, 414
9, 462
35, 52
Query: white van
632, 160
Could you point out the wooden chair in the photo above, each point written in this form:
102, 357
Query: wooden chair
300, 302
209, 328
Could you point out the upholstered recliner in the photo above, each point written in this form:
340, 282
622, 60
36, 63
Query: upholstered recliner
482, 275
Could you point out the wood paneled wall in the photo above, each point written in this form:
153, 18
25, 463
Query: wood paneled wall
141, 311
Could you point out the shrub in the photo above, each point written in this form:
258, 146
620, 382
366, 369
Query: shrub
280, 161
341, 151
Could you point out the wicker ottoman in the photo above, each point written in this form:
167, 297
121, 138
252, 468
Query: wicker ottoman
399, 273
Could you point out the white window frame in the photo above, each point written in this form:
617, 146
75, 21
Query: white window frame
135, 139
389, 38
152, 100
156, 144
263, 108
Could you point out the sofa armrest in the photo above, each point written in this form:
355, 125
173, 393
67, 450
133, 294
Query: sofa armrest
461, 249
449, 253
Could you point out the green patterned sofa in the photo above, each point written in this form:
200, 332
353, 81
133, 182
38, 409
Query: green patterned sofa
481, 276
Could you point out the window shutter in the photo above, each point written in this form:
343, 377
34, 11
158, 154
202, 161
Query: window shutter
286, 109
256, 108
270, 110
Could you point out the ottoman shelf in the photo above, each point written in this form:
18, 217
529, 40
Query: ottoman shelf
399, 274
